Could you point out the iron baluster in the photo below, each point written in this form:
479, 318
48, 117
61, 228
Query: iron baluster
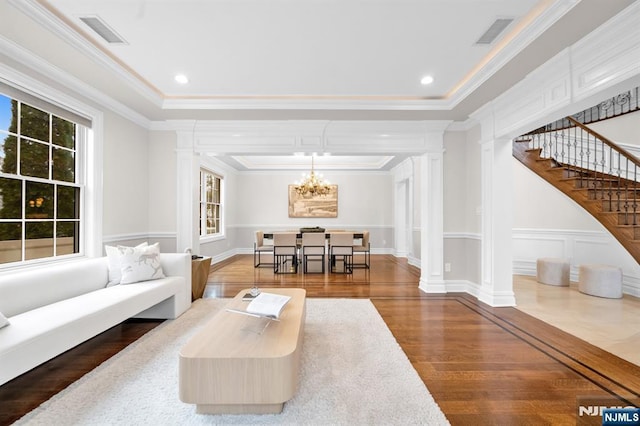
635, 201
626, 193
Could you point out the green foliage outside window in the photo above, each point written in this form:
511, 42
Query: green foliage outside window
37, 185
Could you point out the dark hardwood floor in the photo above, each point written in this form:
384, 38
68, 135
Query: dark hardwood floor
483, 365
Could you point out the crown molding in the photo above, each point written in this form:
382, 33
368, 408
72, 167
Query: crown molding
365, 163
337, 103
45, 17
462, 126
540, 23
40, 66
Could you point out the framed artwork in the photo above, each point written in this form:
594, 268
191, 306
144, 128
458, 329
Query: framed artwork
313, 205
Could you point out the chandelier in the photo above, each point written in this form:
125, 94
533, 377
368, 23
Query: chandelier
312, 184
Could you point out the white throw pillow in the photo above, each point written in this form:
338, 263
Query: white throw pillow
141, 264
114, 260
3, 321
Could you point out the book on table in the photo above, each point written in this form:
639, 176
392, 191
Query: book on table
265, 305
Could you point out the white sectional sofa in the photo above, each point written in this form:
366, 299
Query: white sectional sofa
53, 308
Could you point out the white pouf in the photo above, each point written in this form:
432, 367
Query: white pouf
552, 271
601, 281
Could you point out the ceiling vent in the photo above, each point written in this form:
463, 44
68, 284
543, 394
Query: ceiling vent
494, 31
102, 29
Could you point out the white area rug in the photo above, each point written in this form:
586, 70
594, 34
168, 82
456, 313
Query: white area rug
353, 373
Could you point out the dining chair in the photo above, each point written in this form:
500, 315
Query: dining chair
313, 250
364, 248
285, 250
259, 248
341, 251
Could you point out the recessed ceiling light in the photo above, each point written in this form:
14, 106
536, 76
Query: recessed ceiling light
427, 79
181, 78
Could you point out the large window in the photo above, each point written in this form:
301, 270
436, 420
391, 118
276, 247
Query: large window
39, 189
210, 204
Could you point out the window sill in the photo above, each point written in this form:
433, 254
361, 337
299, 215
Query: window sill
212, 238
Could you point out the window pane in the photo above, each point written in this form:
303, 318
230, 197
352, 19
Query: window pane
10, 242
210, 219
8, 154
209, 188
217, 215
67, 238
63, 132
68, 202
7, 114
39, 202
10, 198
34, 123
34, 159
39, 241
216, 197
64, 166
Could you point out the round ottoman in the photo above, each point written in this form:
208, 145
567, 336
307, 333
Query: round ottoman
552, 271
601, 281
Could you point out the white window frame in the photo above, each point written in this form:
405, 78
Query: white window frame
89, 168
202, 206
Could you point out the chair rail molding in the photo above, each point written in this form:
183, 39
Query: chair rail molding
67, 81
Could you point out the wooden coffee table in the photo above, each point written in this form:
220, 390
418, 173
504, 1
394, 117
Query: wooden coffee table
235, 365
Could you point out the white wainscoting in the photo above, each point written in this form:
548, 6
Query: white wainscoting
580, 247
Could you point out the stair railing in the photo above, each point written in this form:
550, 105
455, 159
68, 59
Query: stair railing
615, 106
608, 171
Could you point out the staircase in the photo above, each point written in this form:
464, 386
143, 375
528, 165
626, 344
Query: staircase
597, 174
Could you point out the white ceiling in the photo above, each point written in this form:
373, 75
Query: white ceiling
301, 59
310, 49
243, 51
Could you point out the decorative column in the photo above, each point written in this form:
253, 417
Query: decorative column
496, 287
188, 176
431, 222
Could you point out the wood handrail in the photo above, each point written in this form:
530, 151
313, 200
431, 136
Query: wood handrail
606, 141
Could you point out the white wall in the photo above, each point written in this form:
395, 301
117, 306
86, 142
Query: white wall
162, 189
624, 129
125, 177
538, 204
365, 201
455, 182
461, 200
474, 188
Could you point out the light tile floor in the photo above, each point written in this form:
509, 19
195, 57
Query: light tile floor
610, 324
